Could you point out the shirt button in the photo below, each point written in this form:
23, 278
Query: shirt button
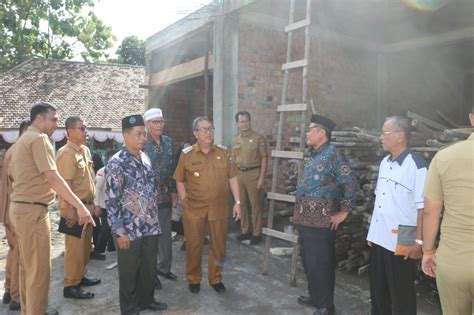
380, 206
390, 167
383, 193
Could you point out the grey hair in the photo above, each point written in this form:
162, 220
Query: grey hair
197, 120
401, 124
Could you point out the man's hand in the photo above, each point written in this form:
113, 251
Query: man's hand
428, 265
123, 242
414, 252
70, 222
369, 243
97, 211
337, 219
84, 216
236, 212
260, 183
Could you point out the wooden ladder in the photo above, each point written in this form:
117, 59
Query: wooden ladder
278, 154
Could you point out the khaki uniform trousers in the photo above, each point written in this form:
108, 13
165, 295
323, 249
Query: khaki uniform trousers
12, 268
251, 197
31, 223
77, 256
194, 233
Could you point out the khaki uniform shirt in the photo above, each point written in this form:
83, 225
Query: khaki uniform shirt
33, 155
248, 149
75, 165
206, 179
6, 185
451, 180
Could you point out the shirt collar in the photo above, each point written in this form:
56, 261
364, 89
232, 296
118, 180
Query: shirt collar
73, 145
400, 158
322, 147
247, 133
198, 148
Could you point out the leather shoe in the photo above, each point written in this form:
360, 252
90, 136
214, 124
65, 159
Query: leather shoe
183, 246
97, 256
169, 275
243, 237
87, 282
305, 300
157, 306
256, 240
219, 287
14, 306
6, 298
194, 287
76, 292
324, 311
158, 285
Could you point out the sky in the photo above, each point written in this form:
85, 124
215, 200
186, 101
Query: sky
142, 18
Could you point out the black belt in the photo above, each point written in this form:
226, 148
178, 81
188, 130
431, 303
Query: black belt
88, 202
245, 169
32, 203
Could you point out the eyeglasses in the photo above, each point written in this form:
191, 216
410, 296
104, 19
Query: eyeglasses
158, 122
387, 133
207, 130
312, 127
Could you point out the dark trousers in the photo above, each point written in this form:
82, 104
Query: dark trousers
165, 251
105, 239
318, 253
392, 283
136, 269
96, 231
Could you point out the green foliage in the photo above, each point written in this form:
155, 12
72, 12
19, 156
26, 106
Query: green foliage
131, 51
51, 29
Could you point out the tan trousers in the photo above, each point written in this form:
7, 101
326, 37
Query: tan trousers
12, 268
251, 197
194, 232
31, 223
76, 257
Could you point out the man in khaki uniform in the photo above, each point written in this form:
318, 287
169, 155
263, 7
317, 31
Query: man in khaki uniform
75, 165
249, 152
34, 177
450, 183
203, 175
12, 267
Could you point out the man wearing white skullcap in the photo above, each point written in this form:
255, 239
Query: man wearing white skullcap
159, 148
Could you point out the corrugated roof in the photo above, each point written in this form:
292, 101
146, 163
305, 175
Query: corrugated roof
102, 94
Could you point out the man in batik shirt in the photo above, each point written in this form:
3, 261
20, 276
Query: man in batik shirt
324, 197
133, 218
159, 148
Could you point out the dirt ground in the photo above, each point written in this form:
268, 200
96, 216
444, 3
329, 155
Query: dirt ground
248, 291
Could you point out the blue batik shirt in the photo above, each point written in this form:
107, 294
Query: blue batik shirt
131, 196
327, 186
163, 162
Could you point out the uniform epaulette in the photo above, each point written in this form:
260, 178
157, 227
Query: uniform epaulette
223, 147
187, 150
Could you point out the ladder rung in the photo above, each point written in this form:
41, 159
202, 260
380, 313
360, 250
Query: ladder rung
281, 197
294, 64
292, 108
287, 154
283, 236
297, 25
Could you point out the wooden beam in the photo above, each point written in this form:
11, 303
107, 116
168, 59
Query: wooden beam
281, 197
292, 108
281, 235
184, 71
294, 64
426, 121
287, 154
297, 25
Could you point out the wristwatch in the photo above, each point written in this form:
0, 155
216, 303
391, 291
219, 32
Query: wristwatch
419, 242
237, 202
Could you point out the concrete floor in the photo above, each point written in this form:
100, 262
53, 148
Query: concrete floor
248, 291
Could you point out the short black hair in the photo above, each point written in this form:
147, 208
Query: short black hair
242, 113
24, 125
40, 108
71, 121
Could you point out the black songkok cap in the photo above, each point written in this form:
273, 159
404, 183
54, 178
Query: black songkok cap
323, 121
132, 121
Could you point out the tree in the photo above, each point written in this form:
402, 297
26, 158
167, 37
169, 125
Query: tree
131, 51
51, 29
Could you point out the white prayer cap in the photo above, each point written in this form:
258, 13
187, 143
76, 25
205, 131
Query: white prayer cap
152, 113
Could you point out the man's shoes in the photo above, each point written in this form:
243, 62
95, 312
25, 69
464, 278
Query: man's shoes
169, 275
97, 256
157, 306
14, 306
194, 287
158, 285
76, 292
324, 311
51, 311
6, 298
87, 282
219, 287
183, 247
256, 240
305, 300
243, 237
